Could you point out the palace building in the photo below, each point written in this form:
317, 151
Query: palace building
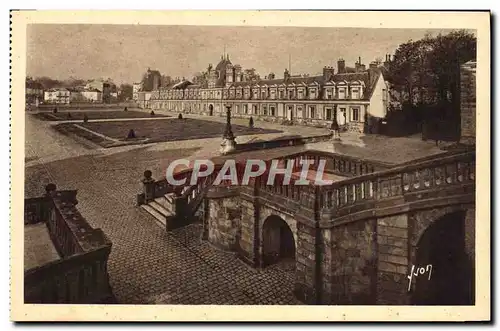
357, 97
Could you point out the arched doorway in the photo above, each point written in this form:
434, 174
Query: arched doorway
442, 246
211, 110
278, 243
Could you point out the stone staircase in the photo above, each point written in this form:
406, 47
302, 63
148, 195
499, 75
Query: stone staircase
162, 209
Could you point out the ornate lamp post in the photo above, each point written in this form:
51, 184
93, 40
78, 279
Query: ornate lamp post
228, 144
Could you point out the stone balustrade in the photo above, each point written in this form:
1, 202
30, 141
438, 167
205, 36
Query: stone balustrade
80, 276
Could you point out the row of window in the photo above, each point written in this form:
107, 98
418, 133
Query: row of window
301, 93
299, 111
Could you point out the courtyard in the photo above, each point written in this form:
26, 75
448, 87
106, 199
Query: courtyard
148, 265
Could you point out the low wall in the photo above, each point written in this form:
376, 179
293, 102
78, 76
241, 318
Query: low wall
80, 276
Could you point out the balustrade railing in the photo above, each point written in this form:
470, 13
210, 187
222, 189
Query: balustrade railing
398, 181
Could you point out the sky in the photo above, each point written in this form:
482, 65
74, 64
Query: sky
124, 52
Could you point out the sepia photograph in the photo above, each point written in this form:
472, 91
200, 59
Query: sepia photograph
235, 165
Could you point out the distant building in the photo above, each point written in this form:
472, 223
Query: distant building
136, 88
57, 96
34, 93
92, 95
143, 98
356, 97
151, 80
108, 89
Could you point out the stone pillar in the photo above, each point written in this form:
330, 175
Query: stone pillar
148, 186
468, 103
250, 235
224, 218
470, 234
393, 256
307, 262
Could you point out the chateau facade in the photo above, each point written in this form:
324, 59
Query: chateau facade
357, 97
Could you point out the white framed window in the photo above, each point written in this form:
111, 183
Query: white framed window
355, 93
329, 93
312, 93
342, 93
272, 110
312, 111
355, 114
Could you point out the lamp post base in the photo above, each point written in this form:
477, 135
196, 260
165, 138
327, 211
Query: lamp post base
227, 146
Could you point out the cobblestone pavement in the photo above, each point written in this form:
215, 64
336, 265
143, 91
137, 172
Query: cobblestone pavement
146, 265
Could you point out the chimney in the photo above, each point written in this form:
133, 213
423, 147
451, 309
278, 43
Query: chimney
373, 65
341, 66
358, 66
328, 73
271, 76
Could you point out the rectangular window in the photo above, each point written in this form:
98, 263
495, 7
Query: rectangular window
312, 93
300, 93
245, 109
273, 94
290, 94
355, 114
255, 94
329, 93
272, 110
342, 93
299, 112
329, 113
312, 112
264, 110
237, 109
263, 94
282, 94
255, 109
355, 93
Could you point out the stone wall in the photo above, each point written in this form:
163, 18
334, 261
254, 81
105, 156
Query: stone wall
224, 222
468, 102
392, 238
348, 263
249, 239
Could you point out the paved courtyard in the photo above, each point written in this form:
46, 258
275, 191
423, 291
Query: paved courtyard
148, 265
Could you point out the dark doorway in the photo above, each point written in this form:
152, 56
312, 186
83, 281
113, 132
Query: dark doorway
278, 242
211, 110
442, 246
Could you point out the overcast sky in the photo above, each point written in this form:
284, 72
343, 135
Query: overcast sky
124, 52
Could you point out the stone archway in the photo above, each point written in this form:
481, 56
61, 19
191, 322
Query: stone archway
278, 243
442, 246
211, 110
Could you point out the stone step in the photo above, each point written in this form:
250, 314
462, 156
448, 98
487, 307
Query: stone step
159, 218
162, 201
160, 209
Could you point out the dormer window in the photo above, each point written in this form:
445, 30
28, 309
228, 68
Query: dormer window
282, 94
342, 93
312, 93
300, 93
329, 93
290, 94
255, 94
355, 93
273, 93
263, 94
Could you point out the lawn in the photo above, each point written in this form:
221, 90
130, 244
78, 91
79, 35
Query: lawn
93, 115
169, 130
